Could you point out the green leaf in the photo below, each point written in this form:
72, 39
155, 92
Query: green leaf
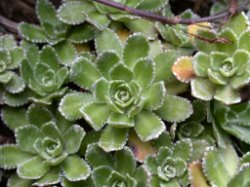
32, 33
51, 177
46, 11
106, 61
238, 23
243, 44
96, 157
113, 139
241, 178
84, 73
72, 13
227, 95
151, 164
163, 65
202, 45
107, 40
120, 120
5, 77
38, 115
201, 62
18, 99
73, 136
75, 168
202, 88
141, 176
15, 85
228, 47
26, 137
66, 53
100, 21
152, 5
148, 126
144, 67
100, 175
12, 156
220, 165
70, 105
16, 55
48, 57
7, 42
121, 72
175, 109
13, 123
32, 169
15, 181
182, 149
101, 90
125, 162
143, 26
154, 96
82, 33
136, 47
95, 114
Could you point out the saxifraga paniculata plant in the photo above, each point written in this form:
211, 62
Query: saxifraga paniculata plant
222, 68
121, 96
125, 88
46, 147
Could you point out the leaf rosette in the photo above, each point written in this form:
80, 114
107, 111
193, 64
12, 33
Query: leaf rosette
49, 153
43, 74
123, 97
220, 75
169, 166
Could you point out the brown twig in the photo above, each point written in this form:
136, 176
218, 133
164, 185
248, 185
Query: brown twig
170, 21
10, 25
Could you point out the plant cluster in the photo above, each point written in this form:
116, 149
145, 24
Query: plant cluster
97, 97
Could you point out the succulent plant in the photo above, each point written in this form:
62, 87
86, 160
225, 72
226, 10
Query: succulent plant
117, 170
169, 166
121, 95
221, 69
43, 74
232, 120
50, 150
101, 16
11, 56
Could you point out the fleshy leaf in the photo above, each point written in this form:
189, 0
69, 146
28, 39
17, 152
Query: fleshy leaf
244, 37
84, 73
107, 40
152, 5
202, 89
11, 156
95, 114
154, 96
175, 109
227, 95
32, 169
72, 13
124, 161
220, 161
38, 115
113, 139
19, 120
7, 42
26, 137
82, 33
100, 175
75, 168
97, 157
66, 53
32, 33
197, 177
74, 136
183, 69
15, 85
120, 120
121, 72
136, 47
144, 67
70, 105
15, 181
148, 126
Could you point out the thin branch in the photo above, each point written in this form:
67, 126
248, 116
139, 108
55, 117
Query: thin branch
10, 25
170, 21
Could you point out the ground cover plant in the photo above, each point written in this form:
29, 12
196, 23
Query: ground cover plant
126, 93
